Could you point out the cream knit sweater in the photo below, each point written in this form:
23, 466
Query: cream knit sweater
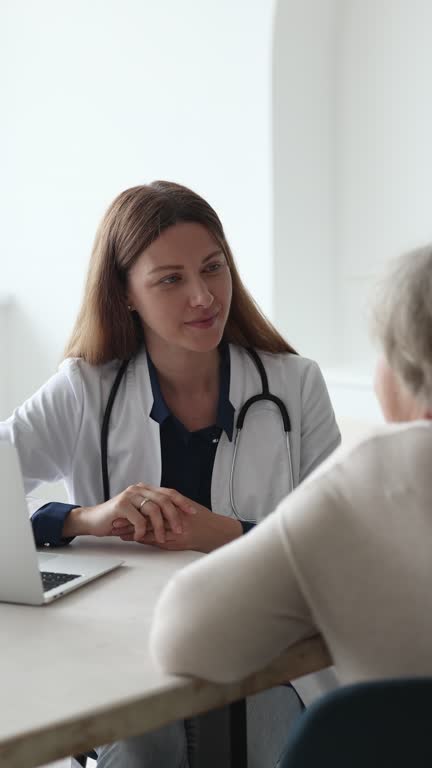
348, 554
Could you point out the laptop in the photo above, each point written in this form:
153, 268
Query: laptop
27, 576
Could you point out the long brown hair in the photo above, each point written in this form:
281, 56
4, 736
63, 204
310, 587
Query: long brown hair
105, 329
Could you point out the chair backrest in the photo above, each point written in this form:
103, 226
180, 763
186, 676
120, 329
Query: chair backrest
368, 725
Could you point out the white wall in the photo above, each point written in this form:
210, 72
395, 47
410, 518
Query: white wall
6, 308
385, 151
304, 166
98, 96
352, 172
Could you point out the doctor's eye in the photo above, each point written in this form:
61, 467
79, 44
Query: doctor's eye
169, 280
215, 266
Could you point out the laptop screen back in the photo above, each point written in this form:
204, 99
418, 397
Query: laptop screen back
19, 573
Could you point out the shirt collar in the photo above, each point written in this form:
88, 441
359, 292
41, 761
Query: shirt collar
225, 410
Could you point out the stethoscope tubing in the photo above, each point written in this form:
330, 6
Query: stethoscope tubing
265, 396
105, 428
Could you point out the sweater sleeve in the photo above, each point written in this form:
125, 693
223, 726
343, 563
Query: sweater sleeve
230, 613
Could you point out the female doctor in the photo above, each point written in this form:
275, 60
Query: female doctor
158, 362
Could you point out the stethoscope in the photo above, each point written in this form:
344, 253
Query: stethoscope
265, 395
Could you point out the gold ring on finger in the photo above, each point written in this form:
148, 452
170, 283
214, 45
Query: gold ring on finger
144, 501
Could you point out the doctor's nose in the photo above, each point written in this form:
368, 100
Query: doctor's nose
200, 295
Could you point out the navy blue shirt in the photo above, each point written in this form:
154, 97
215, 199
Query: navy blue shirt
187, 457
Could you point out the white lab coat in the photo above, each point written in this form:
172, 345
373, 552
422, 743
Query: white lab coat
57, 434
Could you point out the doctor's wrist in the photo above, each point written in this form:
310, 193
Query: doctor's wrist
75, 523
225, 529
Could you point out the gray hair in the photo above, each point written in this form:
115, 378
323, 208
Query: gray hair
403, 321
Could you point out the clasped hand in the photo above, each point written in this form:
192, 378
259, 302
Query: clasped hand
163, 512
203, 531
125, 514
167, 520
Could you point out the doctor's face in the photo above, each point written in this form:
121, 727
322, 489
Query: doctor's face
181, 288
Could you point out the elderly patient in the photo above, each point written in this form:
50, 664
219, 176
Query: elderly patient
348, 554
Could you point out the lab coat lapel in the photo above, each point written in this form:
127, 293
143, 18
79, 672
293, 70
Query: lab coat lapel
151, 466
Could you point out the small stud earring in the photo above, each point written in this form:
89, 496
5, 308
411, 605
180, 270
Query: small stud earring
130, 308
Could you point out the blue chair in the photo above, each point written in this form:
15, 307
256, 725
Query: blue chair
381, 724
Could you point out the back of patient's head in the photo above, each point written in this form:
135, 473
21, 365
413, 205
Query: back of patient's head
403, 321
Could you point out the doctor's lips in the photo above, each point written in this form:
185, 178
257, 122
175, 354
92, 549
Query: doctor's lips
205, 321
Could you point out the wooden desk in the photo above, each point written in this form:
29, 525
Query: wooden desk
77, 672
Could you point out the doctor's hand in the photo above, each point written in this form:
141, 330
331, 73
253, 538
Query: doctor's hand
203, 532
137, 509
